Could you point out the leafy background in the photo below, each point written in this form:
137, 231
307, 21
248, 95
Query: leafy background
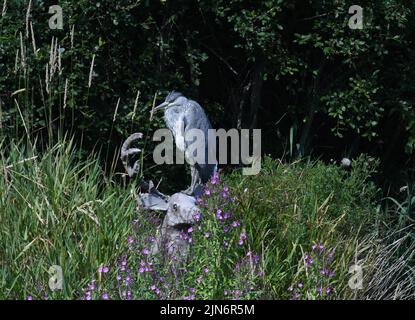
292, 68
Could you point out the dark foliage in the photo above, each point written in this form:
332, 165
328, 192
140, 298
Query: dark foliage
292, 68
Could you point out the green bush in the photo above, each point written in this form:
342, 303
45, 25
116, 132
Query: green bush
289, 207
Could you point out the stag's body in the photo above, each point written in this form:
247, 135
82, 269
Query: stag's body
181, 115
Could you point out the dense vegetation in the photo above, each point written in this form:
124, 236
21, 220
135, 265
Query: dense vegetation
291, 232
292, 68
318, 90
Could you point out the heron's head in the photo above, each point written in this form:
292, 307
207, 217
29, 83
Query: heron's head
174, 98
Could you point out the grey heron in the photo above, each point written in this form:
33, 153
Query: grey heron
181, 115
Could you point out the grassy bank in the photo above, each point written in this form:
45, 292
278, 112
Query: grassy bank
291, 232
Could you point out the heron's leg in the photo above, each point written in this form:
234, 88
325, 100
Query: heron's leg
195, 180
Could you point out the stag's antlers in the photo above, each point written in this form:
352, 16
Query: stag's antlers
133, 168
126, 152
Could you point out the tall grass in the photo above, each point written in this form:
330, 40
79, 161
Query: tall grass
56, 209
390, 270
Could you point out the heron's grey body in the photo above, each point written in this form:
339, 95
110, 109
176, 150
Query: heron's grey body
181, 115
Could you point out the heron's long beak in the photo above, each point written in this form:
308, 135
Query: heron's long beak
162, 106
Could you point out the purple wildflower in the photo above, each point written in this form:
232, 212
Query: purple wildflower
103, 269
219, 214
196, 216
235, 224
215, 178
91, 285
242, 238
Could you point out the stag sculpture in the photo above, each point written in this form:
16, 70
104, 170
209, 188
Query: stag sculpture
180, 209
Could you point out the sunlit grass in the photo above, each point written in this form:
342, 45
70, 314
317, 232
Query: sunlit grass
56, 210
